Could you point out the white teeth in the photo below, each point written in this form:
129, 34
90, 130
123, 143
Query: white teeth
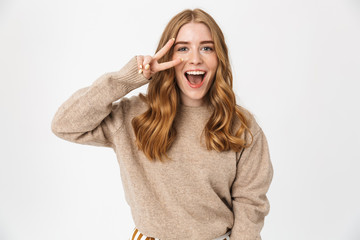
196, 72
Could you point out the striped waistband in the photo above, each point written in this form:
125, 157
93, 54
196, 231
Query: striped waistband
137, 235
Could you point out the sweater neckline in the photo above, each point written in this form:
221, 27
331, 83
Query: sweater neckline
202, 108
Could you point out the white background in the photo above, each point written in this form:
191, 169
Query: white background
296, 66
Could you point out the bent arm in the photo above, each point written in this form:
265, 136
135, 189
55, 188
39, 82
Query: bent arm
90, 115
250, 204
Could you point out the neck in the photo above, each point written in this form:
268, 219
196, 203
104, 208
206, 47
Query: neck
193, 102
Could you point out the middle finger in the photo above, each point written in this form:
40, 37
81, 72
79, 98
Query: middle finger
147, 62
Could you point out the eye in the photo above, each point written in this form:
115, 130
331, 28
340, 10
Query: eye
207, 48
182, 49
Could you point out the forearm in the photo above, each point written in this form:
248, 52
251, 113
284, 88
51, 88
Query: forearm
86, 110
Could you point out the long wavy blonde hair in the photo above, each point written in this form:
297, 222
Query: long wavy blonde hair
154, 129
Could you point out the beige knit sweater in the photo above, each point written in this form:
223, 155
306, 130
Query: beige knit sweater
200, 194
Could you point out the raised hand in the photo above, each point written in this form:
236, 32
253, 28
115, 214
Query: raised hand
149, 65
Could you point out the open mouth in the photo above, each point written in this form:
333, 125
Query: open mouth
195, 78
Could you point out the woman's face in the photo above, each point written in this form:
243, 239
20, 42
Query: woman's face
195, 74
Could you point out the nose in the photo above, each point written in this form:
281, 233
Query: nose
195, 58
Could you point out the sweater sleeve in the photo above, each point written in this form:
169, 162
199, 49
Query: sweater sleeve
250, 204
91, 116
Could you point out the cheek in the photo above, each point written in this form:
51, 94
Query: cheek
179, 83
177, 71
214, 63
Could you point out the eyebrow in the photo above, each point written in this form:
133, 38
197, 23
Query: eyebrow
202, 42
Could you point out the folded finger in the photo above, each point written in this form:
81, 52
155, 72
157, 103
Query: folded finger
146, 66
140, 60
164, 49
147, 62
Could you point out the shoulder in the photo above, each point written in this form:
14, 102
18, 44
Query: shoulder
131, 106
250, 119
134, 102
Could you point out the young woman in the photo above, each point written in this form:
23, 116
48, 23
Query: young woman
194, 165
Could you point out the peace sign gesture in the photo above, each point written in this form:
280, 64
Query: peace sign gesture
151, 63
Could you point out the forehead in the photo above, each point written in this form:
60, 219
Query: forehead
193, 32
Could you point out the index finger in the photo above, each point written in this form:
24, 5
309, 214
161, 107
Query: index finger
164, 49
170, 64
